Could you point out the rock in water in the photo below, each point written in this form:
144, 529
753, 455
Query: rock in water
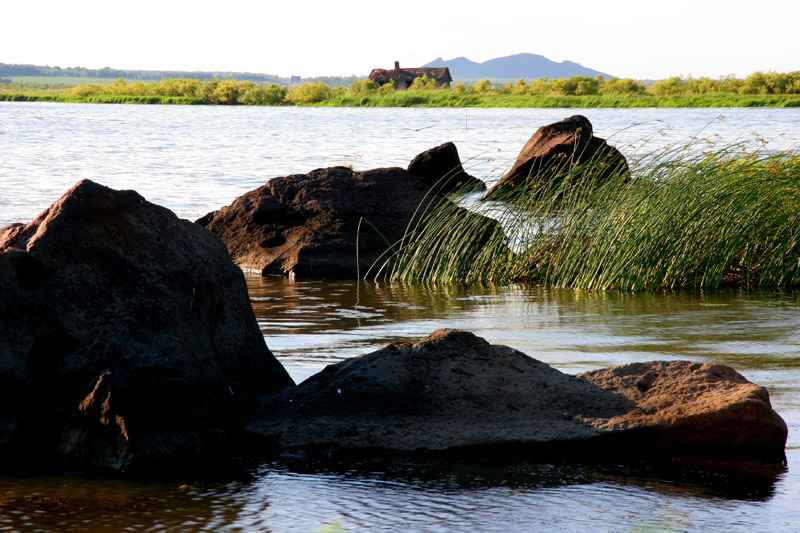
441, 167
684, 407
455, 392
553, 152
330, 223
127, 339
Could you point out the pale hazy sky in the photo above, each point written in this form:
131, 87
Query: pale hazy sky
635, 38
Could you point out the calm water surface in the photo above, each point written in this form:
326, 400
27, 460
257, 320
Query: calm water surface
196, 159
309, 325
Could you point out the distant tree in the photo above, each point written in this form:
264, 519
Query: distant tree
540, 86
673, 86
729, 84
482, 87
423, 83
362, 87
577, 85
228, 91
270, 94
309, 93
386, 88
518, 88
622, 86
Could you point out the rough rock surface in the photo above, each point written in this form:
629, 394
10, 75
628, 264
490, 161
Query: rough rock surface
553, 151
441, 167
330, 223
127, 339
686, 406
454, 391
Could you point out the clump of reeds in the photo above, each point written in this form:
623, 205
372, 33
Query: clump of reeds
680, 220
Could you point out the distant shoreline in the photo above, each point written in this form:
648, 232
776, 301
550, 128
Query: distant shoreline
440, 99
757, 90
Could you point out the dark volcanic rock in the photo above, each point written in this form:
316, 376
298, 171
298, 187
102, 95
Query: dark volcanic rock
454, 391
315, 225
127, 339
553, 151
441, 167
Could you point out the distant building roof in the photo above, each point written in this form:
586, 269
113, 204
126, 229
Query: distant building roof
404, 77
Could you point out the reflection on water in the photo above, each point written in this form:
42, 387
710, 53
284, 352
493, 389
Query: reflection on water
311, 324
195, 159
314, 323
407, 498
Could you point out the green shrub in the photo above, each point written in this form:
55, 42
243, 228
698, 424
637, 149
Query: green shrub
482, 87
673, 86
540, 86
622, 87
270, 94
519, 88
386, 88
228, 91
309, 93
424, 83
362, 87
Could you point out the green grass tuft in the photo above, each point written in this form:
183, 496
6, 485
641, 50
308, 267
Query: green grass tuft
680, 221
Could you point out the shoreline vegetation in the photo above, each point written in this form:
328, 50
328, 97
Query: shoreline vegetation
756, 90
678, 221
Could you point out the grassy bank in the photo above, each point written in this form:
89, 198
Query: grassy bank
579, 92
98, 99
679, 222
437, 99
433, 99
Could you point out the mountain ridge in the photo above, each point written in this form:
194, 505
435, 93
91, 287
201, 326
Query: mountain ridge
515, 66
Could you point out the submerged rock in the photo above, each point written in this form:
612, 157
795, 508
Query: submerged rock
441, 167
330, 223
554, 151
127, 339
455, 392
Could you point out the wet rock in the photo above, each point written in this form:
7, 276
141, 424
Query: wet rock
686, 407
554, 151
330, 223
454, 392
127, 339
441, 167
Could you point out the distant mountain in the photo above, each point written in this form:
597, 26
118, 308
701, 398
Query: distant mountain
528, 66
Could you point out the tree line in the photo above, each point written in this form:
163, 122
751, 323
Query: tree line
14, 70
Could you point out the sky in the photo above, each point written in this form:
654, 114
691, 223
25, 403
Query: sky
642, 39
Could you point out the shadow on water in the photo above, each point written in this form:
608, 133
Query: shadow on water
311, 324
752, 483
285, 496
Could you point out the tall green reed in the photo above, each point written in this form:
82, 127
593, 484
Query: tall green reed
681, 220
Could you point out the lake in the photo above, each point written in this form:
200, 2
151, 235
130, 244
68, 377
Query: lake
195, 159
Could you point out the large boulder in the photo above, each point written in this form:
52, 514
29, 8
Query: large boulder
441, 167
330, 223
127, 339
690, 407
555, 151
454, 392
